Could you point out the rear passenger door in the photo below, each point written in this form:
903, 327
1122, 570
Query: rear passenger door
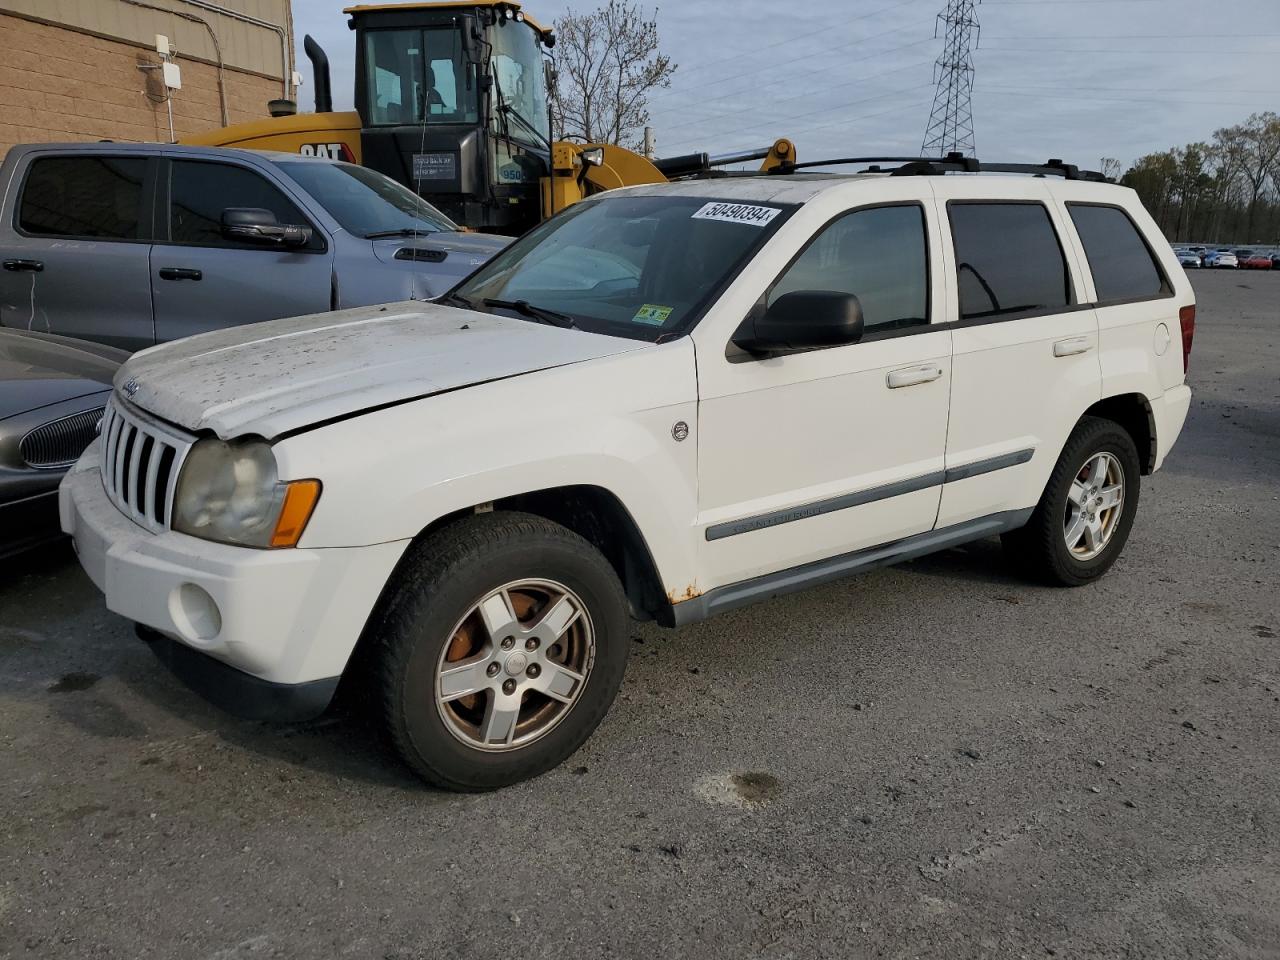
201, 280
1026, 364
75, 260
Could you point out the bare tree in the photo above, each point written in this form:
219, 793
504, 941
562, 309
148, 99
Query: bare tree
608, 62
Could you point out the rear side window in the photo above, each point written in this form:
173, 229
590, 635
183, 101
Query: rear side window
83, 196
1119, 259
1008, 260
879, 255
199, 191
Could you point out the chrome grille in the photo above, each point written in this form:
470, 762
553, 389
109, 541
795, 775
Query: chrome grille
140, 463
59, 443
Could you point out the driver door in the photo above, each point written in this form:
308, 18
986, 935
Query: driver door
811, 455
203, 281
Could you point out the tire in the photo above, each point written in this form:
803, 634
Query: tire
440, 631
1040, 549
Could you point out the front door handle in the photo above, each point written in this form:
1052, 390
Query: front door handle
179, 273
35, 266
912, 376
1072, 346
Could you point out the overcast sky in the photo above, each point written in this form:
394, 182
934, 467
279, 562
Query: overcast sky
1077, 79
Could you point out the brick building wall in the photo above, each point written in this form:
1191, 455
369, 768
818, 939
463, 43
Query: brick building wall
61, 84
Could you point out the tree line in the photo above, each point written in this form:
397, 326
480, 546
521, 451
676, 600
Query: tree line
1226, 190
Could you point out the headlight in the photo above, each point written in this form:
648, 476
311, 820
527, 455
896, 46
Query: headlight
231, 493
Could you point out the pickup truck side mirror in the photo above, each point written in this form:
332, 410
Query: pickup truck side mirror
256, 225
803, 320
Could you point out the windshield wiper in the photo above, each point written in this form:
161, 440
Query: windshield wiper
455, 300
552, 318
402, 232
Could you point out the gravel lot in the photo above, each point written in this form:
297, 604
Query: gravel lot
933, 760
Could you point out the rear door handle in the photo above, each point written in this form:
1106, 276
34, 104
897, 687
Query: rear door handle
912, 376
35, 266
1072, 346
179, 273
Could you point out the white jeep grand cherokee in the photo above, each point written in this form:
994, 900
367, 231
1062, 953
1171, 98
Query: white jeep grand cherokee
663, 403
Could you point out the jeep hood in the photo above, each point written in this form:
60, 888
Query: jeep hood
273, 378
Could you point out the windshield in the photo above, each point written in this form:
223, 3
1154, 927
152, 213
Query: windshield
416, 75
629, 266
364, 201
518, 73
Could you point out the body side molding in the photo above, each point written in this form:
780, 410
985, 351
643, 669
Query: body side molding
772, 585
761, 521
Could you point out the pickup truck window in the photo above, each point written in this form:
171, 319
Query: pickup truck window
629, 266
878, 254
1008, 259
199, 191
83, 196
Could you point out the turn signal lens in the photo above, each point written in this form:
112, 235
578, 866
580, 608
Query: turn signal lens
300, 499
1187, 321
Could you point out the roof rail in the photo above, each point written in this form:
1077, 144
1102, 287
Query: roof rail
951, 163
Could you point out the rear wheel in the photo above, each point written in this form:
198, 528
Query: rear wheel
1087, 510
502, 646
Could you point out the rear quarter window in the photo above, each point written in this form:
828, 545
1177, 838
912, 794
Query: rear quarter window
83, 197
1122, 264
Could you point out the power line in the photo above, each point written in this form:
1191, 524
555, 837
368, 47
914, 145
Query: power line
1009, 92
666, 94
754, 108
842, 118
807, 35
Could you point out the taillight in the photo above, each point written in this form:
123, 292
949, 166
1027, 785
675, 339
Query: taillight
1187, 320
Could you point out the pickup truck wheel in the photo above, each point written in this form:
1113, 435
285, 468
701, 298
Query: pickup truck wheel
1087, 510
503, 643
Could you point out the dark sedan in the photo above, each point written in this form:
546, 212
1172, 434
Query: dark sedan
52, 391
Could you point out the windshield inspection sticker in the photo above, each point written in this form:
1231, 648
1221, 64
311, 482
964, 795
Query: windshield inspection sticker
737, 213
651, 314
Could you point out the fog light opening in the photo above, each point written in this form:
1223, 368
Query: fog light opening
195, 614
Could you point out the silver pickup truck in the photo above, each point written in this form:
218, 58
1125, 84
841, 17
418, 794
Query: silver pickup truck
135, 244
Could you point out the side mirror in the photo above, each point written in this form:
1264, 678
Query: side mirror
255, 225
803, 320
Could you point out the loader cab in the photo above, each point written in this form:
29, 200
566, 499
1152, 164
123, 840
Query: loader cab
452, 101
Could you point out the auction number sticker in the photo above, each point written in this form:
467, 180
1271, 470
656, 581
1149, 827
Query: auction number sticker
652, 314
737, 213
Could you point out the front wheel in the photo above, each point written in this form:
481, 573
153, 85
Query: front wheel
503, 643
1086, 512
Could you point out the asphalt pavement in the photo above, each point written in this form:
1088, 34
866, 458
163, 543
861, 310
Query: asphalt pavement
934, 760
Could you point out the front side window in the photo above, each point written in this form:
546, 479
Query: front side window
200, 191
1008, 259
81, 196
629, 266
365, 202
417, 75
879, 255
1119, 259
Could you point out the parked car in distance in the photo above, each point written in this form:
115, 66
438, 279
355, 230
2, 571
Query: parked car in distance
1189, 259
136, 244
1221, 258
667, 402
52, 391
1275, 260
1256, 261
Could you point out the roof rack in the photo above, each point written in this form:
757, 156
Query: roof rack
951, 163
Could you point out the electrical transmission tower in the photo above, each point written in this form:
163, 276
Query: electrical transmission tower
951, 122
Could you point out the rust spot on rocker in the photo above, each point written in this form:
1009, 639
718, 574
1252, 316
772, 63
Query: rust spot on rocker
680, 596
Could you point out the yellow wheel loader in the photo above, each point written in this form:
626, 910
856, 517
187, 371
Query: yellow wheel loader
451, 99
